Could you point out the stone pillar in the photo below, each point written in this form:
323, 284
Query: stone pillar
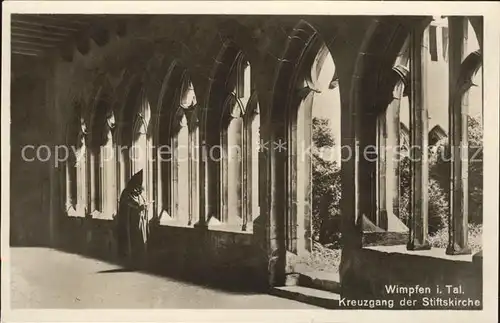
293, 170
418, 141
367, 165
94, 179
276, 202
383, 190
110, 189
392, 156
82, 179
458, 113
194, 160
203, 173
88, 181
158, 183
303, 189
67, 184
209, 180
393, 151
351, 203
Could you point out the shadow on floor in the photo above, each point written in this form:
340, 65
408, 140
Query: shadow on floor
117, 270
235, 284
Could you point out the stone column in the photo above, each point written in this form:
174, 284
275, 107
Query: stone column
204, 180
419, 166
392, 155
393, 151
458, 113
351, 203
293, 171
194, 159
94, 165
112, 194
67, 184
276, 202
303, 142
209, 180
382, 179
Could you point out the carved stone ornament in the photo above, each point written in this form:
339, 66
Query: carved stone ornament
234, 106
188, 98
183, 121
111, 121
83, 127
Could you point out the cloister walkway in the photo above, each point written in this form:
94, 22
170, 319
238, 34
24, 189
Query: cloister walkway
48, 278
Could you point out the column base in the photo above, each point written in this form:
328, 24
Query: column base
415, 246
457, 250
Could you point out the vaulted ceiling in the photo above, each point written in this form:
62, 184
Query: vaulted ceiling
39, 35
35, 35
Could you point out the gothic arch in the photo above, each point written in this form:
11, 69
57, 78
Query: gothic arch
132, 94
75, 124
233, 31
469, 67
373, 83
293, 89
175, 76
169, 122
227, 76
224, 61
76, 132
101, 110
231, 36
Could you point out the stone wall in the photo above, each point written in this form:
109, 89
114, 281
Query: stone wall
365, 274
195, 253
29, 180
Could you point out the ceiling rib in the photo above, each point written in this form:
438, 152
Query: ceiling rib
65, 19
57, 20
25, 49
44, 34
22, 35
24, 52
30, 43
36, 30
44, 25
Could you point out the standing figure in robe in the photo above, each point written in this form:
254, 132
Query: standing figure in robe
132, 222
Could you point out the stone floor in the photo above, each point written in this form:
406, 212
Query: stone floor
46, 278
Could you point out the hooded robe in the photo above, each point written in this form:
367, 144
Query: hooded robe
132, 220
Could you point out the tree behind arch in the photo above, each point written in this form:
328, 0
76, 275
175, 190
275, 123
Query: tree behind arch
326, 183
440, 169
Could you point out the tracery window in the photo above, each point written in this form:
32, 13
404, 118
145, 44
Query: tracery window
240, 144
107, 171
77, 176
180, 169
141, 150
95, 181
71, 184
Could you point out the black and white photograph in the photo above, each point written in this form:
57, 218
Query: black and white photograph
237, 159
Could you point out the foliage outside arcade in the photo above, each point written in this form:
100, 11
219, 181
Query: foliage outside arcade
327, 194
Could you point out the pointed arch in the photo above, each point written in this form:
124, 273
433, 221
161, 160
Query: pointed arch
231, 99
75, 172
177, 130
141, 145
413, 44
295, 87
101, 159
124, 112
